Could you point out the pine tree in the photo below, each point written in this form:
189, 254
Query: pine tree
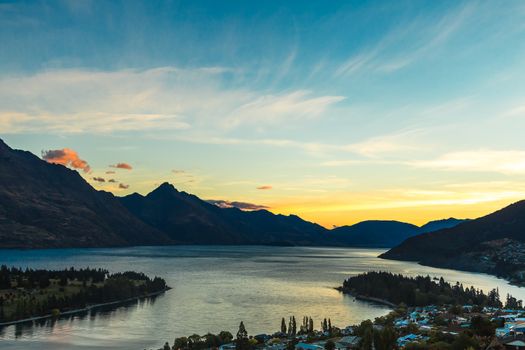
242, 342
283, 326
310, 325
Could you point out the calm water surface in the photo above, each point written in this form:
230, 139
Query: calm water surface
213, 289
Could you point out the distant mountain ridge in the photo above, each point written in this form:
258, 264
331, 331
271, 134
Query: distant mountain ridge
45, 205
384, 233
374, 233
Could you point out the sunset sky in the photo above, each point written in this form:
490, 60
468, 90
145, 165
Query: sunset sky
333, 110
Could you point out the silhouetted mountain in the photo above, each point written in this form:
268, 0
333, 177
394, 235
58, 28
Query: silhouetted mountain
494, 243
48, 205
440, 224
374, 233
186, 219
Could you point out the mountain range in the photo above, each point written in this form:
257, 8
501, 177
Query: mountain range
377, 233
46, 205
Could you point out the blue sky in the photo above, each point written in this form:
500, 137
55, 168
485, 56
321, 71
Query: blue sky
409, 110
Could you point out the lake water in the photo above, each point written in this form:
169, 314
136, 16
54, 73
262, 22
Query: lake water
214, 288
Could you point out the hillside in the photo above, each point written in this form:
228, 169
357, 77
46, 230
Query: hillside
48, 205
494, 244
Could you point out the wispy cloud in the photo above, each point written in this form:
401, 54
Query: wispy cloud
271, 109
235, 204
483, 160
406, 44
165, 98
265, 187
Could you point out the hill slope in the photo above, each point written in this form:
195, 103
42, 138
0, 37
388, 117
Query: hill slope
440, 224
494, 244
48, 205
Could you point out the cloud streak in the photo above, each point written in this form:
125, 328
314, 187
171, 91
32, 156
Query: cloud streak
235, 204
508, 162
66, 101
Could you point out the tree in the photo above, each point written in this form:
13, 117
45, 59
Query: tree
166, 346
385, 339
283, 326
225, 337
329, 345
482, 326
180, 343
464, 341
367, 340
324, 325
194, 341
310, 325
242, 342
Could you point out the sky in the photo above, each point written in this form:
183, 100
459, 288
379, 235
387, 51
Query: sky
337, 111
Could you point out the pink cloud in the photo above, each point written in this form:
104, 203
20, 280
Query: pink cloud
66, 157
122, 166
265, 187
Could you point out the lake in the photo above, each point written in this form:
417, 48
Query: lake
214, 288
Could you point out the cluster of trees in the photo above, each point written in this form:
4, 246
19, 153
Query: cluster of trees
29, 293
206, 341
307, 326
245, 342
419, 291
380, 338
30, 278
513, 303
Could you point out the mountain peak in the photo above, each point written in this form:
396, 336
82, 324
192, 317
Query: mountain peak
165, 188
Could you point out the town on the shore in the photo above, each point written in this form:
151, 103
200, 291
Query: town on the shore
426, 314
456, 327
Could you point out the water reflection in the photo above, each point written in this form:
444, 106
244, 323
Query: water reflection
89, 317
215, 288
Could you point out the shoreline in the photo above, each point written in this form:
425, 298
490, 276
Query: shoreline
365, 298
85, 309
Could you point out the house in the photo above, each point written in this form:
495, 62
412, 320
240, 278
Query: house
347, 330
503, 332
306, 346
229, 346
515, 344
348, 342
402, 341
